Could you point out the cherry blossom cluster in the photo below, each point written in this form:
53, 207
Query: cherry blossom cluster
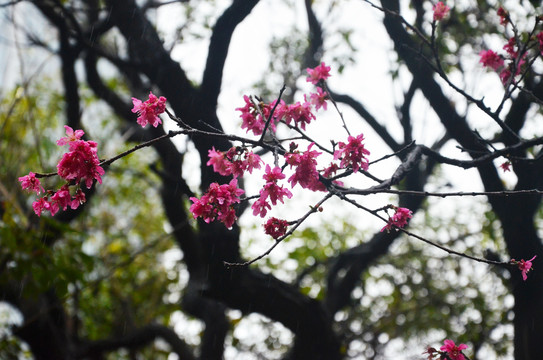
218, 203
235, 161
449, 350
255, 114
353, 153
510, 65
80, 165
399, 219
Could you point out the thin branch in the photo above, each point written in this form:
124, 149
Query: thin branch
296, 224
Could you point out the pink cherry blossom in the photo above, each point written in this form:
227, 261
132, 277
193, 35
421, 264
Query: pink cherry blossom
506, 166
149, 110
218, 203
510, 47
275, 227
275, 192
40, 205
524, 266
78, 199
300, 113
306, 173
71, 136
251, 161
319, 99
399, 219
62, 197
220, 163
31, 182
243, 160
490, 59
54, 207
504, 16
440, 11
271, 190
273, 175
260, 207
353, 153
81, 163
453, 352
252, 118
234, 162
320, 72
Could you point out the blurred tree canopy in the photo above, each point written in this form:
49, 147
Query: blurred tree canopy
131, 274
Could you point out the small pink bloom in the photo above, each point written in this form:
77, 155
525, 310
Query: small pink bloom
62, 197
524, 266
506, 166
31, 182
330, 170
220, 163
53, 207
454, 352
275, 227
301, 114
252, 161
306, 173
254, 119
260, 207
440, 11
321, 72
273, 175
149, 110
319, 99
271, 190
353, 153
275, 192
510, 47
490, 59
78, 199
40, 205
71, 136
399, 219
504, 16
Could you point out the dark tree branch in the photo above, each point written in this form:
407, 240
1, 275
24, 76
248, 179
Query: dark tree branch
314, 51
218, 49
137, 340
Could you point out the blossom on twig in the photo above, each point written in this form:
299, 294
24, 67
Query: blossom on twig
440, 11
454, 352
275, 227
318, 73
524, 266
399, 219
149, 110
